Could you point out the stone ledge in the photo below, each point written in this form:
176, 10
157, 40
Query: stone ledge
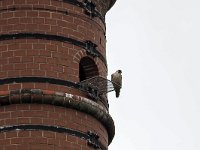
66, 100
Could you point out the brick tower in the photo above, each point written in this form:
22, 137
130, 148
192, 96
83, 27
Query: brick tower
53, 75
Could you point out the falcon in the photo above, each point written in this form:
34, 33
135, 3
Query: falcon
116, 78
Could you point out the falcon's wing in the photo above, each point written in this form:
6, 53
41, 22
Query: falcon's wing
117, 79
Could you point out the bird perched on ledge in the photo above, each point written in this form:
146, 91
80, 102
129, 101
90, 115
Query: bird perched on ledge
116, 78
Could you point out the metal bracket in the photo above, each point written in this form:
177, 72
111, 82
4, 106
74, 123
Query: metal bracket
101, 84
91, 48
90, 8
97, 87
92, 141
92, 91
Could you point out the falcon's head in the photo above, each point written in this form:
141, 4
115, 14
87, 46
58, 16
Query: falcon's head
119, 71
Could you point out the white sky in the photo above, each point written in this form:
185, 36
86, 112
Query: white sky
156, 44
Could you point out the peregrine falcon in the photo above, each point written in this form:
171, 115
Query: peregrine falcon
116, 78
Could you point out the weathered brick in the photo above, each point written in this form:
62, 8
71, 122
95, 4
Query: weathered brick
51, 58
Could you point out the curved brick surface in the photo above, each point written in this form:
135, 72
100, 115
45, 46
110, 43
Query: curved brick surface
46, 58
51, 116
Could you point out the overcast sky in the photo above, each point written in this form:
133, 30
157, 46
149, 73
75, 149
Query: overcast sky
156, 44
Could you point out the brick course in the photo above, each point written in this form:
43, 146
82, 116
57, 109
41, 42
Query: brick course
47, 115
32, 57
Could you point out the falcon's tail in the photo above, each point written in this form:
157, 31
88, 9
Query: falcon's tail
117, 93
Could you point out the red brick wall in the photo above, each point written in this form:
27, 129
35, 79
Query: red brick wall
51, 59
46, 140
47, 58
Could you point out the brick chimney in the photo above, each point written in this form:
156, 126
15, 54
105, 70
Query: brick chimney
47, 49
